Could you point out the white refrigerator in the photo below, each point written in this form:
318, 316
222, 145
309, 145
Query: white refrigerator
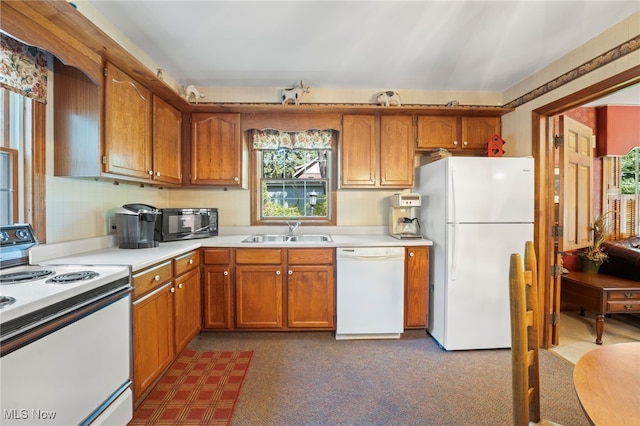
477, 211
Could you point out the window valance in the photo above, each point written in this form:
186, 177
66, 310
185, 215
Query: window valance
23, 68
275, 139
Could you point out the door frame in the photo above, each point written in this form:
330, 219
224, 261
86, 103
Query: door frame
543, 153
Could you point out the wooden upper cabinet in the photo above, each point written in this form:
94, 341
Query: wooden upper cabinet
376, 151
167, 142
358, 151
396, 151
476, 131
127, 125
456, 133
216, 149
437, 132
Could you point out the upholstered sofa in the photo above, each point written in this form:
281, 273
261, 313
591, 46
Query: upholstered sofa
624, 258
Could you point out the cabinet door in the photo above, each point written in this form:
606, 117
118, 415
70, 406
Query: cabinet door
216, 149
188, 317
396, 151
167, 142
259, 296
358, 151
437, 132
127, 125
218, 298
416, 293
476, 131
153, 348
311, 297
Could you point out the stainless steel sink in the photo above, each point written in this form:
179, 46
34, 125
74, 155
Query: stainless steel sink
283, 238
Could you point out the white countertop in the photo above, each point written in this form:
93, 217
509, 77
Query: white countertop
142, 258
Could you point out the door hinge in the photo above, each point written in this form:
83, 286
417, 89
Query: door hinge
556, 271
553, 318
104, 159
558, 141
557, 230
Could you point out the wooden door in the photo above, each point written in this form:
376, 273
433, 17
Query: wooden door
359, 151
397, 151
127, 125
416, 293
476, 132
167, 142
311, 296
187, 308
435, 131
259, 300
218, 298
216, 149
575, 199
153, 337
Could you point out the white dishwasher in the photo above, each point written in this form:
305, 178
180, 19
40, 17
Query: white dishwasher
370, 293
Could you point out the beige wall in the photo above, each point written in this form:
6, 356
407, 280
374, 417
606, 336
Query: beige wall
80, 209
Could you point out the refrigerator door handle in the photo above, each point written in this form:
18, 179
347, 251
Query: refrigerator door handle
454, 251
454, 214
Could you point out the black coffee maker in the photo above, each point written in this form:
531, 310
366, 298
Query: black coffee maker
135, 225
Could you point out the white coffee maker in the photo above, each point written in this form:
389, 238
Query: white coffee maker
403, 216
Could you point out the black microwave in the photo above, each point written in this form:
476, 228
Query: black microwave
186, 224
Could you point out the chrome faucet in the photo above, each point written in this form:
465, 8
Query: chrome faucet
293, 227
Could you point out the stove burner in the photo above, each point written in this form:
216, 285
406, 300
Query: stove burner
6, 301
24, 276
72, 277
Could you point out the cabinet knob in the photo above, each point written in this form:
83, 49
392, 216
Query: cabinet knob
225, 273
190, 261
236, 179
455, 142
411, 254
157, 278
157, 173
150, 172
277, 272
180, 285
465, 143
290, 272
173, 289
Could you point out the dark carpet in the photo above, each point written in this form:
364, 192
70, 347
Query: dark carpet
309, 378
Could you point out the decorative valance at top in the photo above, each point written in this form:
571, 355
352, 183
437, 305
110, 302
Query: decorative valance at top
23, 68
275, 139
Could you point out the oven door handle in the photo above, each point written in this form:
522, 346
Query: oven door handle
40, 330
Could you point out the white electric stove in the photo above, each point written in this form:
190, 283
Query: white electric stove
65, 337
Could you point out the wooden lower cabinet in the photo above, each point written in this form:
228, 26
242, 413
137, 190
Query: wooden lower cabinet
259, 290
311, 288
187, 317
416, 291
166, 316
218, 290
153, 347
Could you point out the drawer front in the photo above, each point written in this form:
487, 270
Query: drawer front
186, 262
259, 256
310, 256
619, 295
148, 279
217, 256
622, 306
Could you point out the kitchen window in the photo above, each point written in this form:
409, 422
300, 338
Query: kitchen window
15, 127
294, 176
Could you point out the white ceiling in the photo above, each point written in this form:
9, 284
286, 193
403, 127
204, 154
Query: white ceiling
419, 45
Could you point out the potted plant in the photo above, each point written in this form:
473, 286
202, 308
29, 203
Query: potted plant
593, 256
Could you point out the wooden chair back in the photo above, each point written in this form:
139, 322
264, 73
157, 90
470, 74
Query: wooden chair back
523, 295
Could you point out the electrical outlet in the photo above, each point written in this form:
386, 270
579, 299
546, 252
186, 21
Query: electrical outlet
111, 225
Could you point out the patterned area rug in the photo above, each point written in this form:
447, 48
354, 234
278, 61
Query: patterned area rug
199, 388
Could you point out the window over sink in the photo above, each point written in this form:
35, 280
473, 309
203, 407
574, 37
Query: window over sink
294, 176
